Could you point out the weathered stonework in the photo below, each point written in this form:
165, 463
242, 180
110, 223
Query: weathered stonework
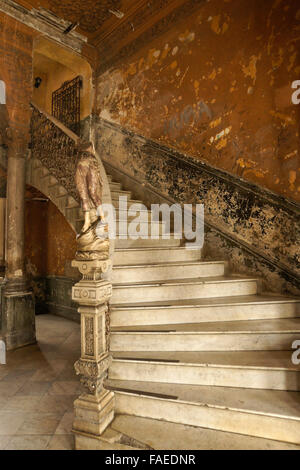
258, 227
94, 410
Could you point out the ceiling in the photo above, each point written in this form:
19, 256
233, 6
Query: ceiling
116, 27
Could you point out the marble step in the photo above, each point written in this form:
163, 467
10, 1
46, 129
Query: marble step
206, 310
144, 228
115, 186
57, 190
163, 435
130, 202
124, 257
141, 243
182, 289
260, 335
146, 214
119, 215
268, 414
115, 194
271, 370
167, 271
65, 201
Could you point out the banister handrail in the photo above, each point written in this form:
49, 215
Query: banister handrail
57, 123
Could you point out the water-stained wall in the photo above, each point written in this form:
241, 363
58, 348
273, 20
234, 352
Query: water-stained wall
50, 245
16, 44
218, 87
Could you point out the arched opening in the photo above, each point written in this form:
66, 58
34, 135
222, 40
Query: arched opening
53, 66
50, 245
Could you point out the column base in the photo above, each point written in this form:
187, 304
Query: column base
110, 440
18, 319
93, 414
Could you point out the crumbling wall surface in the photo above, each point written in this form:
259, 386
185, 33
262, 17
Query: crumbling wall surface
50, 246
256, 230
16, 43
218, 87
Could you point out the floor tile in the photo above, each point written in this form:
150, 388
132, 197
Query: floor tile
38, 387
65, 426
42, 423
28, 442
65, 388
10, 422
62, 442
19, 404
34, 389
4, 441
9, 389
56, 403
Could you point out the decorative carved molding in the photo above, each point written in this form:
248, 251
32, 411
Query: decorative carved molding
44, 22
93, 369
92, 292
90, 14
89, 336
123, 43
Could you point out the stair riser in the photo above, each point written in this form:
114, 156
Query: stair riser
145, 229
202, 342
213, 376
169, 316
196, 290
124, 258
121, 215
118, 194
162, 273
140, 243
269, 427
114, 186
115, 203
57, 191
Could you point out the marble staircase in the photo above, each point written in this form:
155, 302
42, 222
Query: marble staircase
192, 343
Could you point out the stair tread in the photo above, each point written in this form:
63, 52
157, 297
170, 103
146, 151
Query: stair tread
284, 404
161, 435
281, 325
214, 301
151, 248
196, 280
168, 264
271, 360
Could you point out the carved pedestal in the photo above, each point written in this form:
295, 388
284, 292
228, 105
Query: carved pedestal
94, 410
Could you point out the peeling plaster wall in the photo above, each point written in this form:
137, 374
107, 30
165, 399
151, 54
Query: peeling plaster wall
50, 241
50, 245
218, 87
16, 43
56, 65
257, 231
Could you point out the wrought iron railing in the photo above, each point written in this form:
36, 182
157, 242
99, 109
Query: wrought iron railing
66, 104
55, 146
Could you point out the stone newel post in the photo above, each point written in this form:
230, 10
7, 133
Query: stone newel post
94, 410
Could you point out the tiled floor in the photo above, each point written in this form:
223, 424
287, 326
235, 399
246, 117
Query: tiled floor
38, 386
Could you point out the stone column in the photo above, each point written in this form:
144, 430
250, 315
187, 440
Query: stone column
19, 312
94, 409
